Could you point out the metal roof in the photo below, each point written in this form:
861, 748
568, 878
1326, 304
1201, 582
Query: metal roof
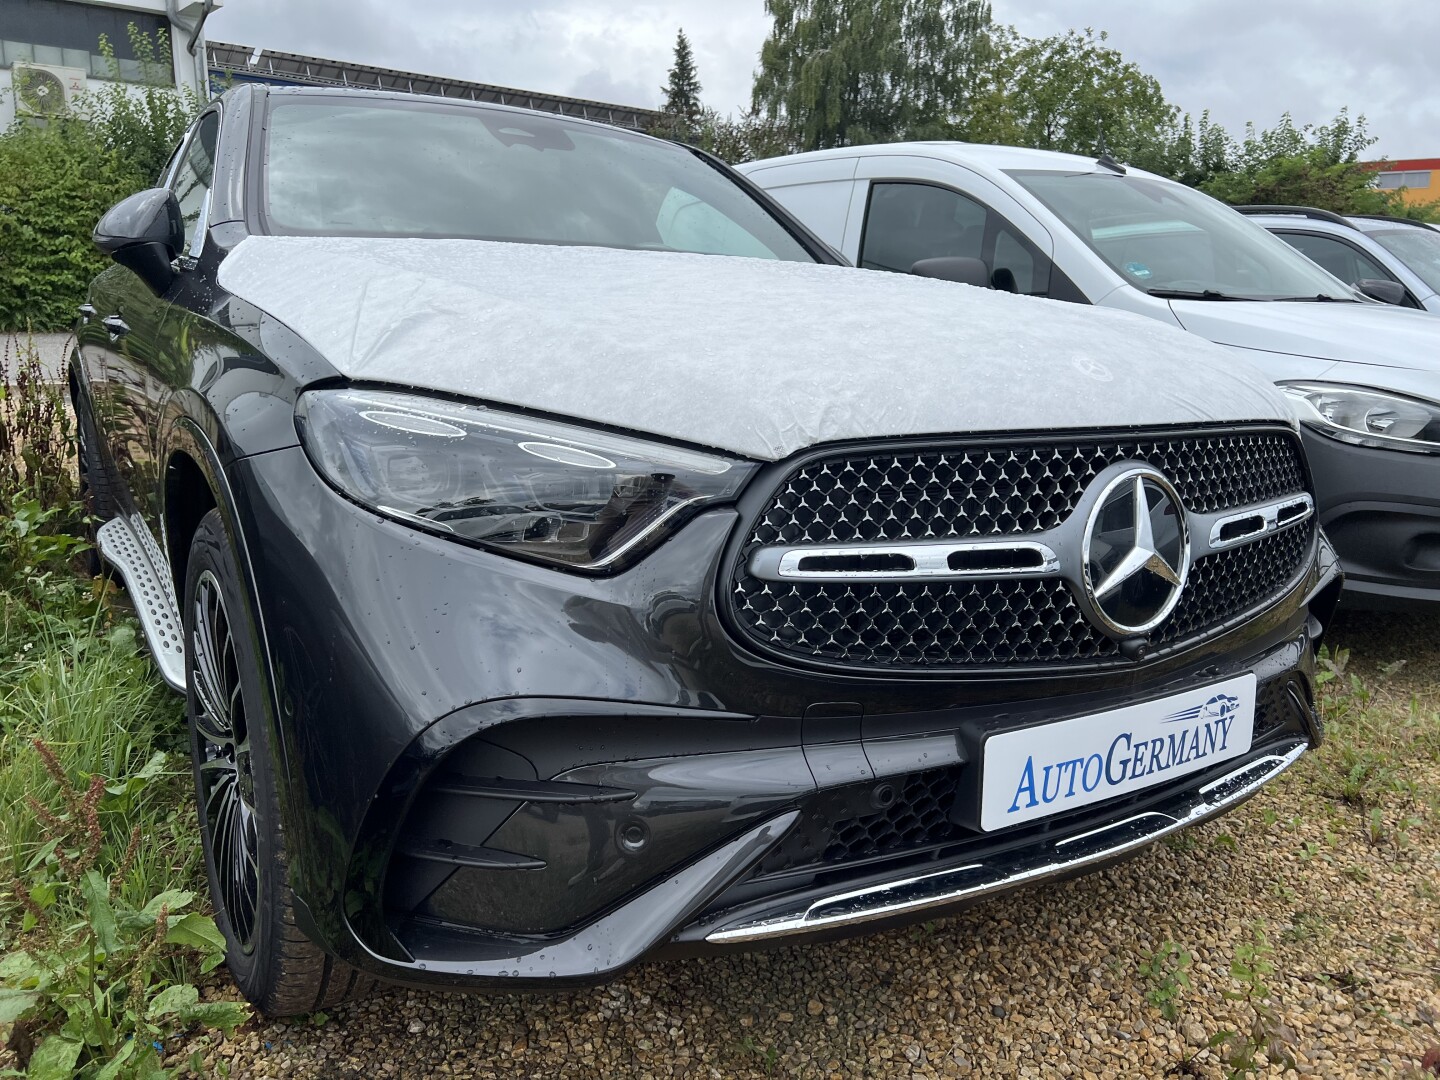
242, 63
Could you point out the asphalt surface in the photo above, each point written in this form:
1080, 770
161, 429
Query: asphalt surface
53, 350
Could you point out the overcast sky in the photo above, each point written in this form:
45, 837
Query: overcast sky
1241, 59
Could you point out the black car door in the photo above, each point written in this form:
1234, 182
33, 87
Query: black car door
142, 365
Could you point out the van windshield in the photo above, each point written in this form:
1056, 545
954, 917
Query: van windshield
1170, 240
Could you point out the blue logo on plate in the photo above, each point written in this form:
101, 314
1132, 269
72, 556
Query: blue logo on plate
1217, 708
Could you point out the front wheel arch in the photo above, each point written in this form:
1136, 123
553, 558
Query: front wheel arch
195, 483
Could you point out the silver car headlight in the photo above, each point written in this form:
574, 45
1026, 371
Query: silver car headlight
1368, 417
561, 494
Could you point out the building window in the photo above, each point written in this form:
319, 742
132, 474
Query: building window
1389, 181
67, 34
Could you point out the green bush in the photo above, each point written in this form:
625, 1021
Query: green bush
55, 181
59, 176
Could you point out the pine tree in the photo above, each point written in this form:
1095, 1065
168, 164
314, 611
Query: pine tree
682, 92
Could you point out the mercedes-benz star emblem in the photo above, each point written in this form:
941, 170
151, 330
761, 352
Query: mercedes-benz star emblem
1137, 552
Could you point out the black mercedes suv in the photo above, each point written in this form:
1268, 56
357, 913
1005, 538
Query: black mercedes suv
566, 561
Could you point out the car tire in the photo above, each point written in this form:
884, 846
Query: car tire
280, 970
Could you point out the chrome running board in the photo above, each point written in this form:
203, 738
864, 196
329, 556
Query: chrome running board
1047, 859
126, 544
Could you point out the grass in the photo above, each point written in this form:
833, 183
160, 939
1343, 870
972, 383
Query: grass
102, 942
81, 685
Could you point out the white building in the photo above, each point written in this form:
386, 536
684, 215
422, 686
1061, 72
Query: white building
56, 45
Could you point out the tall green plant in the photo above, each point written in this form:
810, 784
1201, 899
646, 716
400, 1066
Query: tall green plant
682, 107
140, 123
1309, 165
1075, 93
58, 176
55, 182
747, 137
844, 72
37, 435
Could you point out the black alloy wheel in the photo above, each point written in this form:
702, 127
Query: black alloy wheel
275, 965
226, 784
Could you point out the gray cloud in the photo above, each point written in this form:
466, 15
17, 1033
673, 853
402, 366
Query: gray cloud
1241, 59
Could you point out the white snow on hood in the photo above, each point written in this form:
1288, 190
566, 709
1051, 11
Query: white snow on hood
754, 357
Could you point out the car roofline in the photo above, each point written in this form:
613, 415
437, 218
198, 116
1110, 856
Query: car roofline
976, 156
344, 93
1313, 213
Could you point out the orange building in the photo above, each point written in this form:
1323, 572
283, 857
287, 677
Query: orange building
1420, 177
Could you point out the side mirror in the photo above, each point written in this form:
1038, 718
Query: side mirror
144, 232
954, 268
1387, 292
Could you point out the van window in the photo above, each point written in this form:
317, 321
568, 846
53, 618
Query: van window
907, 222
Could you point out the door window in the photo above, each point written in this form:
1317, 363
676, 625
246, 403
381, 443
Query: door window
196, 174
907, 222
1347, 263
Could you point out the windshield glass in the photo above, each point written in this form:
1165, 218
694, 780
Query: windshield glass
419, 169
1419, 249
1164, 237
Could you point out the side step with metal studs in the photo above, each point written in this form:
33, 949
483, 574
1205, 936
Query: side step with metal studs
126, 544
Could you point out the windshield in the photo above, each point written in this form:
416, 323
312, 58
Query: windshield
421, 169
1419, 249
1162, 237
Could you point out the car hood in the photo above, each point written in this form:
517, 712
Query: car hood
1374, 334
755, 357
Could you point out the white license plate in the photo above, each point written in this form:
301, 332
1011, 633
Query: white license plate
1057, 767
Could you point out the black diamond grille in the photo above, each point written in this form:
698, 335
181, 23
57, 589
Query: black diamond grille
1230, 582
989, 491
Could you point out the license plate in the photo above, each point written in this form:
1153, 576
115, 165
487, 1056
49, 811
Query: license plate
1057, 767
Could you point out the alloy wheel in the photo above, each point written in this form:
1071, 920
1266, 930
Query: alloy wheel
226, 779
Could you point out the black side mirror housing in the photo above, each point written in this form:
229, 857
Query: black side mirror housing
954, 268
144, 232
1387, 292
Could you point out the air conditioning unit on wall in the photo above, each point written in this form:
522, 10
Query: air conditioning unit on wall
43, 90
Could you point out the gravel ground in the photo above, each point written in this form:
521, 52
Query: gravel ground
1043, 982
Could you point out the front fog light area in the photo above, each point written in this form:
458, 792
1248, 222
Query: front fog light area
1368, 417
563, 494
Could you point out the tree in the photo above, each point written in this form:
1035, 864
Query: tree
1305, 166
844, 72
1195, 153
747, 137
682, 107
1074, 93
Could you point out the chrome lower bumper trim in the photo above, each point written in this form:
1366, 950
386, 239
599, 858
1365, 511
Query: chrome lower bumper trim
1046, 860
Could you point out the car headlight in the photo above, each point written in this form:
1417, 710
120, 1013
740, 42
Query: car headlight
567, 495
1367, 417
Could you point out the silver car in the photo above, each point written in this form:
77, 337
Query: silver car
1363, 247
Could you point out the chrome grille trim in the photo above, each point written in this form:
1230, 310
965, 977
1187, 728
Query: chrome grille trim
786, 563
1272, 518
1034, 556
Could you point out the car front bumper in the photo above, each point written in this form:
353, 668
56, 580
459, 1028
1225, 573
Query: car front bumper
494, 773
